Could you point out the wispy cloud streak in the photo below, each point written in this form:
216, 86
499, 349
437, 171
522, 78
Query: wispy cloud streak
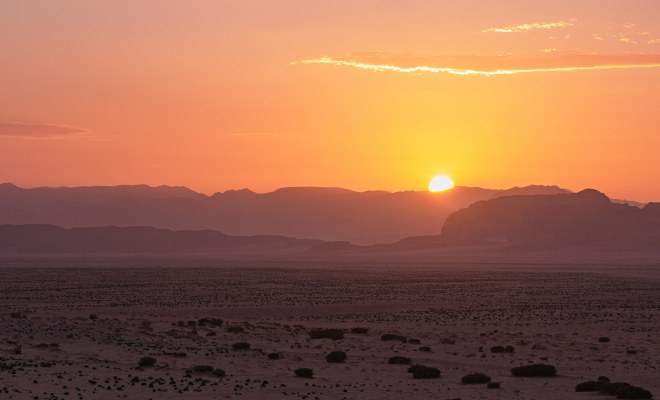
43, 131
488, 66
534, 26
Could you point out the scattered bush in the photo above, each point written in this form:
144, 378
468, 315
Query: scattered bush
603, 339
209, 321
235, 329
393, 337
588, 386
399, 360
17, 314
304, 372
274, 356
203, 369
475, 379
424, 372
334, 334
425, 349
603, 379
509, 349
147, 361
360, 330
493, 385
241, 346
502, 349
93, 316
611, 387
534, 370
414, 341
633, 392
336, 357
220, 373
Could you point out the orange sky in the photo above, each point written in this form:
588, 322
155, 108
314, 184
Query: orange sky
370, 94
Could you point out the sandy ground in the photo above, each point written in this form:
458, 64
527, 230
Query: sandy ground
552, 316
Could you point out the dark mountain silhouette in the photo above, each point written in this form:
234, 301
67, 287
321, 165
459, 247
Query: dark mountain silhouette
587, 218
319, 213
37, 239
529, 190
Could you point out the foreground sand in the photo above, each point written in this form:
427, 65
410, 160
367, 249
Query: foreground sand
552, 316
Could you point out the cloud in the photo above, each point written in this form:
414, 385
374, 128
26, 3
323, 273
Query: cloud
42, 131
491, 65
534, 26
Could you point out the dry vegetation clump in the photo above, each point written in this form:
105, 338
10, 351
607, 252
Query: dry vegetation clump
241, 346
399, 360
633, 392
336, 357
334, 334
424, 372
208, 369
393, 337
493, 385
360, 330
146, 362
304, 373
534, 370
502, 349
274, 356
475, 379
235, 329
209, 321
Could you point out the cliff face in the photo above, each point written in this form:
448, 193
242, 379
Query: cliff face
545, 221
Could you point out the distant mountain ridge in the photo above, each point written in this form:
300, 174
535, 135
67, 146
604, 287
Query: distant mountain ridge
586, 218
50, 239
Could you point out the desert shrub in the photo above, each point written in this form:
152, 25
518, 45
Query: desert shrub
209, 321
147, 361
534, 370
219, 372
17, 314
203, 369
475, 379
497, 349
603, 379
493, 385
235, 329
414, 341
334, 334
240, 346
425, 348
336, 357
424, 372
611, 387
93, 316
304, 372
393, 337
274, 356
448, 341
360, 330
603, 339
399, 360
588, 386
633, 392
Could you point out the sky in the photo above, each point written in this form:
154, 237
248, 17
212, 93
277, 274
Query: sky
368, 94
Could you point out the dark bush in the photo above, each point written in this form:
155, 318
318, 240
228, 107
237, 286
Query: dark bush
240, 346
603, 339
360, 330
497, 349
423, 372
203, 369
611, 387
334, 334
534, 370
475, 379
393, 337
414, 341
336, 357
273, 356
588, 386
147, 362
219, 372
399, 360
235, 329
412, 368
209, 321
425, 348
17, 314
93, 316
603, 379
493, 385
304, 372
633, 392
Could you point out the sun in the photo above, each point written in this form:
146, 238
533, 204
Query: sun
440, 183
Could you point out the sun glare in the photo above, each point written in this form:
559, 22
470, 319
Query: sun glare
440, 184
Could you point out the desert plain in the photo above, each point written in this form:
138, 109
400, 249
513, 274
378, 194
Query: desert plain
239, 331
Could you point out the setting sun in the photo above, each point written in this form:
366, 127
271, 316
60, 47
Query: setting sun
440, 184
